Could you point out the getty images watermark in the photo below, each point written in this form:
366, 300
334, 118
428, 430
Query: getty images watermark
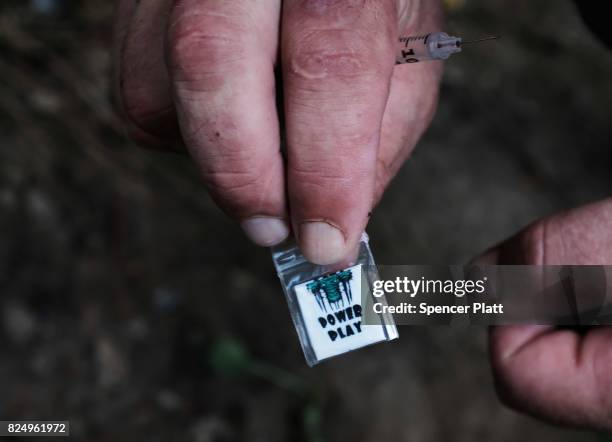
495, 295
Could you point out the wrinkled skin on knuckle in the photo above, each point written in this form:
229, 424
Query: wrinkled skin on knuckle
316, 202
240, 191
342, 40
318, 187
231, 183
344, 119
203, 48
325, 176
335, 56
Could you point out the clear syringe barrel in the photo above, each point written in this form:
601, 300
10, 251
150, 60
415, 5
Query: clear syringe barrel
434, 46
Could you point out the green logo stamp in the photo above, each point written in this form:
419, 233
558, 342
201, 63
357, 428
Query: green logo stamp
333, 291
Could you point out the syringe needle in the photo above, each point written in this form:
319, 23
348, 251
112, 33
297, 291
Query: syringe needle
492, 37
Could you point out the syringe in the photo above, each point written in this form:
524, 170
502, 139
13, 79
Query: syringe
433, 46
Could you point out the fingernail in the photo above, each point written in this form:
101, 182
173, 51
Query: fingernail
265, 231
322, 243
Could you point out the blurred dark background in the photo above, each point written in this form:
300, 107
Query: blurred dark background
130, 306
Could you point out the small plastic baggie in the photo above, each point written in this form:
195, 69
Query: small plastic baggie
326, 302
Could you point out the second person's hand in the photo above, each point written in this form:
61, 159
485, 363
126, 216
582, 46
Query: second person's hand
558, 374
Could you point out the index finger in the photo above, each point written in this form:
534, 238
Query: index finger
338, 58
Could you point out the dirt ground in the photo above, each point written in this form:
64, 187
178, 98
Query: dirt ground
130, 306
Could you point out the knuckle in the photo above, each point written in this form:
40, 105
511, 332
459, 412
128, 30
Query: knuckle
240, 191
327, 194
322, 179
328, 178
334, 54
203, 45
232, 167
231, 181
